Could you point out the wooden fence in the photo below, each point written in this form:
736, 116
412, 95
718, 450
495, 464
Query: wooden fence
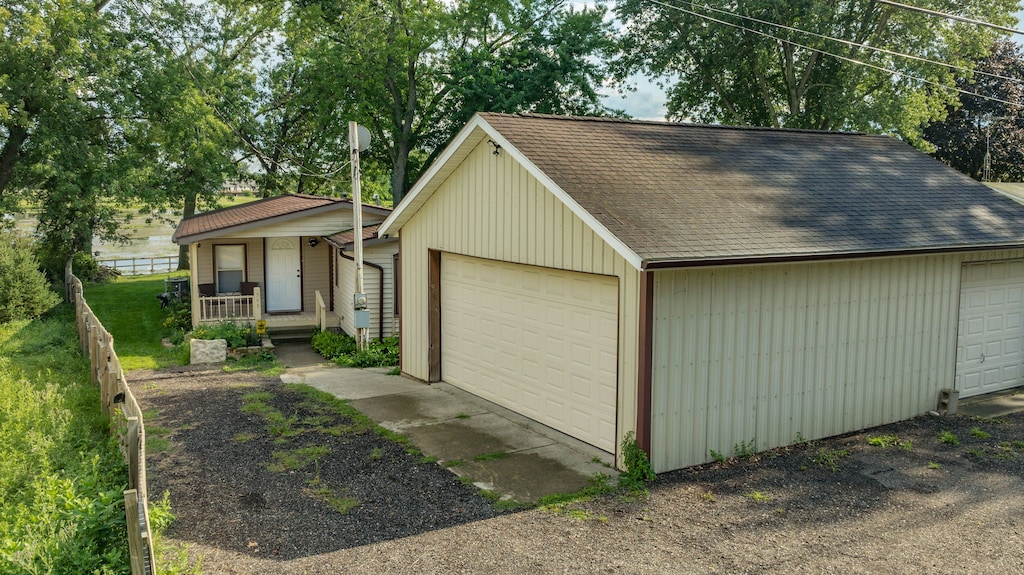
140, 266
118, 402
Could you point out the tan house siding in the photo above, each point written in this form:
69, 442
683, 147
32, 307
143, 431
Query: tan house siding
382, 256
315, 225
316, 275
492, 207
773, 353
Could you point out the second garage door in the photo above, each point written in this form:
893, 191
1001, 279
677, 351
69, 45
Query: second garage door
539, 341
990, 337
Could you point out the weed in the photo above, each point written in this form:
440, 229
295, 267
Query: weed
933, 465
978, 452
342, 504
462, 416
394, 371
758, 497
376, 453
890, 440
744, 449
979, 433
454, 463
829, 458
244, 437
708, 496
989, 420
1019, 444
427, 460
948, 437
491, 456
718, 456
638, 467
297, 458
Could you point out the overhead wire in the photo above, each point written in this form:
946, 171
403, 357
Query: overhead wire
852, 43
837, 56
951, 16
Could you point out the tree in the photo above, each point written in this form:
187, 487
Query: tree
977, 124
24, 291
412, 72
798, 78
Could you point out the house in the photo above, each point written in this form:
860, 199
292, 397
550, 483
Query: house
283, 260
705, 287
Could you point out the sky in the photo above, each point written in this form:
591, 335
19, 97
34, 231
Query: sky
648, 101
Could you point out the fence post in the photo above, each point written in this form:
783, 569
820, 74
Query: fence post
133, 452
135, 543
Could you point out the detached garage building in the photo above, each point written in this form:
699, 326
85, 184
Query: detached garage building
705, 286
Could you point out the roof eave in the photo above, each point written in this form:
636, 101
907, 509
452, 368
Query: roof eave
679, 263
340, 204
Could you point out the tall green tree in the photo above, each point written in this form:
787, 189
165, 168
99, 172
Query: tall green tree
753, 73
983, 122
414, 71
59, 111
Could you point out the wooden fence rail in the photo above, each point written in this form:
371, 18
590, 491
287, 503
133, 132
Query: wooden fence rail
140, 266
118, 403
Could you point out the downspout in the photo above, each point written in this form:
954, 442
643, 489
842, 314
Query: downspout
380, 271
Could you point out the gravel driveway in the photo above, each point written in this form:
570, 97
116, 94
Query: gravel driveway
918, 505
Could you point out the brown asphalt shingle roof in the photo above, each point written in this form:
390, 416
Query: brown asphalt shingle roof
252, 212
345, 238
695, 192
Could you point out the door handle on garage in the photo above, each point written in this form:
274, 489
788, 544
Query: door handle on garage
982, 358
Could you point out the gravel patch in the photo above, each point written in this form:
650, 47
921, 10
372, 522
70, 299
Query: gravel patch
840, 505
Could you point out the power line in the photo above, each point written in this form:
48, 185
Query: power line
827, 53
951, 16
854, 44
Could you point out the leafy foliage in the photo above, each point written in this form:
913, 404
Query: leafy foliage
722, 73
975, 125
24, 291
638, 467
61, 475
342, 349
235, 335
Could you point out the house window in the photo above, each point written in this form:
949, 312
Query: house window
230, 266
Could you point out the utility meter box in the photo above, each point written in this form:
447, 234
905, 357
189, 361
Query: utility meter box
358, 301
362, 318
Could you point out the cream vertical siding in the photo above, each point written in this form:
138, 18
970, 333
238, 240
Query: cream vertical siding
381, 255
492, 207
316, 274
770, 354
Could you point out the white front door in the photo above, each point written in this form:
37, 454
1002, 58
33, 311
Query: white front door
284, 275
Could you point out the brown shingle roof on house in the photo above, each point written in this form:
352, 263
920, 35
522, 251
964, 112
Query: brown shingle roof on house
255, 212
685, 192
344, 238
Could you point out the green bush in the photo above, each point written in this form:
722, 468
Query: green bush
333, 345
638, 466
178, 320
24, 290
342, 350
236, 336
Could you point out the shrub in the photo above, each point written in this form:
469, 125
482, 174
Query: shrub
24, 291
178, 320
333, 345
638, 467
236, 336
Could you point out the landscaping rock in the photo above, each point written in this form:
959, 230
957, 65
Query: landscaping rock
208, 350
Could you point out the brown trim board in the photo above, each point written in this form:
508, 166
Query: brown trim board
433, 316
645, 358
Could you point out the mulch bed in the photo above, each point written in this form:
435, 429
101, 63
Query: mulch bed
232, 485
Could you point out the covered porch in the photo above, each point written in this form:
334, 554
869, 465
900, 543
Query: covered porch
248, 310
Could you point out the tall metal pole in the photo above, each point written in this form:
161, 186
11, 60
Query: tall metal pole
357, 221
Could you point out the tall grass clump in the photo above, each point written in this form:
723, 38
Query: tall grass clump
61, 475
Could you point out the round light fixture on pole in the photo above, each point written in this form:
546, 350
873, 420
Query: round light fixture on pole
363, 136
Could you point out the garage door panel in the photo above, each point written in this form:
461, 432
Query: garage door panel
990, 339
551, 346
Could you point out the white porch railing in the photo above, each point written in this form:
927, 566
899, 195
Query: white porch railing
233, 308
321, 312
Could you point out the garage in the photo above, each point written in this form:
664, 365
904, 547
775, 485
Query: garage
537, 340
990, 334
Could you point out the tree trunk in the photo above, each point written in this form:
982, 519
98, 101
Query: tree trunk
9, 156
188, 211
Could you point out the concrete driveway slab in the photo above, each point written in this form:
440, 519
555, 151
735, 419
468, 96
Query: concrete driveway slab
348, 383
428, 404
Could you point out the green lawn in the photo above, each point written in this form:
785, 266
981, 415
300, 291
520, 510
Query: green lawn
61, 474
130, 311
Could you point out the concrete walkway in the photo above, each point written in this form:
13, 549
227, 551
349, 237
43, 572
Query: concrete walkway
993, 404
499, 450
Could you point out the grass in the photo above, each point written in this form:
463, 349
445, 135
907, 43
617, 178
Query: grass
130, 311
830, 458
295, 459
758, 497
889, 440
61, 474
979, 433
948, 437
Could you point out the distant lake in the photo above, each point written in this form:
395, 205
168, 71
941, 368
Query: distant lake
147, 240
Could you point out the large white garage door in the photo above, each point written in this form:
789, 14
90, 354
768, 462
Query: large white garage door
539, 341
990, 337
